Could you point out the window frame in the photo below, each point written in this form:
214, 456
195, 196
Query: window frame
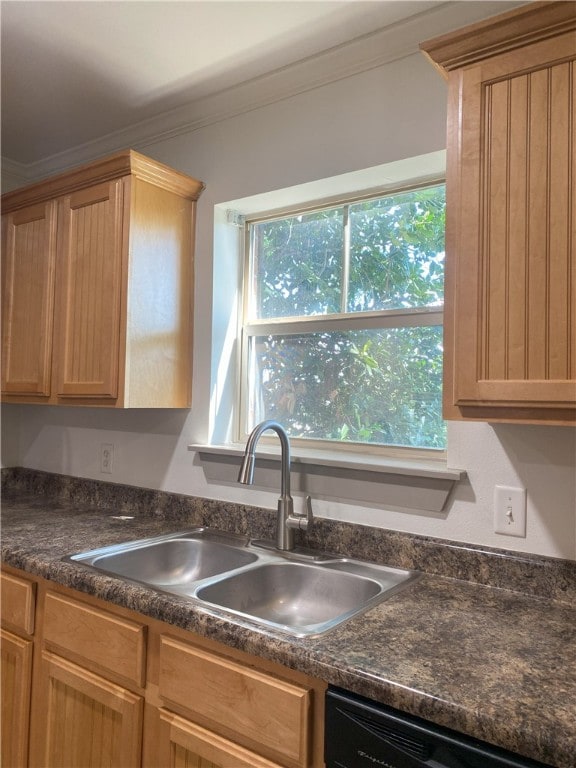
308, 324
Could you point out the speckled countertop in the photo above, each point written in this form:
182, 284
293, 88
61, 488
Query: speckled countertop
455, 648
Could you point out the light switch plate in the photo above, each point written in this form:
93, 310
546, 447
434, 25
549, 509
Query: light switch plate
510, 511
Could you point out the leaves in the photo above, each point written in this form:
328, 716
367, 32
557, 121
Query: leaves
377, 386
373, 385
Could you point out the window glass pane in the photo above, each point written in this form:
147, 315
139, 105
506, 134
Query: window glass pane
397, 251
297, 265
374, 386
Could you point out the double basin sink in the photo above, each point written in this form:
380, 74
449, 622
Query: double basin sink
303, 593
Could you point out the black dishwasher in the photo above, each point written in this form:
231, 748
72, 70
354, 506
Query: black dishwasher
364, 734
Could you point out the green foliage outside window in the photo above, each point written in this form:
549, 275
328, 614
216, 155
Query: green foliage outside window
379, 385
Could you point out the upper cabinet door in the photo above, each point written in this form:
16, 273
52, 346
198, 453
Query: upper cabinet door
28, 263
510, 331
88, 291
516, 278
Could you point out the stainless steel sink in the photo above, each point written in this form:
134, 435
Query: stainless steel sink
303, 593
172, 562
304, 599
179, 561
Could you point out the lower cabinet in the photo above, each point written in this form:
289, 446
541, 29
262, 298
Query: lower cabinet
16, 681
264, 714
18, 603
102, 687
88, 721
88, 701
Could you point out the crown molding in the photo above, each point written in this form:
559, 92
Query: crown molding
14, 174
116, 166
362, 54
499, 34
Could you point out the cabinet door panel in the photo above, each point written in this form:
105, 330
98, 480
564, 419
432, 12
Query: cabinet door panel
28, 265
515, 305
87, 722
16, 682
183, 744
88, 293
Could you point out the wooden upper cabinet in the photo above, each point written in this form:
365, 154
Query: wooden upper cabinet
28, 264
510, 314
97, 282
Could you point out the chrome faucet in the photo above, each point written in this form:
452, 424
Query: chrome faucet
287, 520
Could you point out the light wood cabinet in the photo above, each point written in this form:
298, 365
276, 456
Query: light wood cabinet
97, 286
86, 340
28, 266
86, 720
16, 681
88, 704
264, 713
16, 652
510, 313
114, 689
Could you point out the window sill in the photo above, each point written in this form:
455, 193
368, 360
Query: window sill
394, 483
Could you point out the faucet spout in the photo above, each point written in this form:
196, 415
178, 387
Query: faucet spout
287, 521
246, 474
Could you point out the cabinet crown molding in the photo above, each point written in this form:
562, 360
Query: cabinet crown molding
124, 163
528, 24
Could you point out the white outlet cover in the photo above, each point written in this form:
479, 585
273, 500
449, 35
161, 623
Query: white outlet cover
106, 458
510, 511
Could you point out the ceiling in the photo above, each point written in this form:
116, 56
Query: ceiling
73, 71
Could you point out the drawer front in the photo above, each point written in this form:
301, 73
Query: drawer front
183, 743
263, 712
18, 603
87, 634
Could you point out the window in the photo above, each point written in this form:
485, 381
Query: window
342, 321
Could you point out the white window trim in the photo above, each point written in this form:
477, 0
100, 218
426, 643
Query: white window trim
410, 479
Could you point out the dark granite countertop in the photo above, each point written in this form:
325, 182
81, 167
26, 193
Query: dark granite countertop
493, 663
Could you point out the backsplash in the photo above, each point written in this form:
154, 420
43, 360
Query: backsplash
539, 576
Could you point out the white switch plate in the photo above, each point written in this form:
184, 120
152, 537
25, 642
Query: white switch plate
510, 511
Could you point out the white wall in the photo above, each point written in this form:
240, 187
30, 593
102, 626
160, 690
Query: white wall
384, 114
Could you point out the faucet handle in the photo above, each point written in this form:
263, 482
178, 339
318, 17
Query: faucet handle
301, 520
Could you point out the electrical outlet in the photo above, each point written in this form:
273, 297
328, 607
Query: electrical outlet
106, 458
510, 511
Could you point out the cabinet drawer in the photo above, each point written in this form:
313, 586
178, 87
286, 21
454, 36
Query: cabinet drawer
184, 743
90, 635
263, 712
18, 603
